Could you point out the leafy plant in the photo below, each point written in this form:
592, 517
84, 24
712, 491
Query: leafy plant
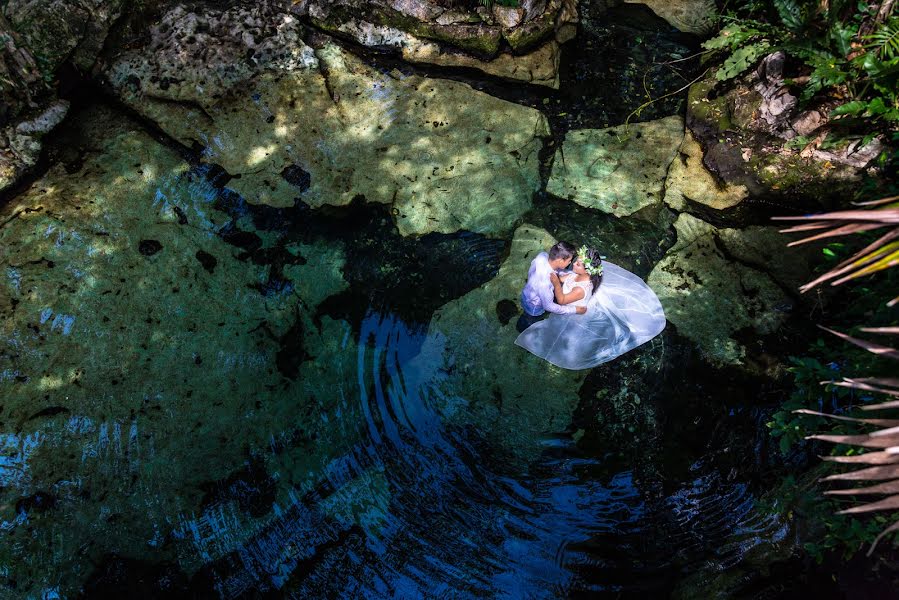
830, 40
881, 463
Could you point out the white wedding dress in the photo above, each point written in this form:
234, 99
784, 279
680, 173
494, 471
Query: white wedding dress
622, 314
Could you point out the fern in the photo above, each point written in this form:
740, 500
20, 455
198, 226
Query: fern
841, 36
791, 14
885, 41
741, 60
732, 37
869, 81
827, 72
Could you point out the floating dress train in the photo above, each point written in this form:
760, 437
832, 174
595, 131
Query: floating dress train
622, 314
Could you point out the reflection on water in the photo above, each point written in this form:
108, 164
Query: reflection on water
419, 508
226, 399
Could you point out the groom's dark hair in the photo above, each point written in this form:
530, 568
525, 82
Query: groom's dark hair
561, 250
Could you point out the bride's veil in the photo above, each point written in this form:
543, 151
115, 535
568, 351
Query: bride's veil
622, 314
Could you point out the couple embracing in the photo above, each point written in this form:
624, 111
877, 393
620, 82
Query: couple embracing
598, 310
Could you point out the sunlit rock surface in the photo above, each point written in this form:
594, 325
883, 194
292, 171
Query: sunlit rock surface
539, 67
326, 128
617, 170
690, 16
710, 297
480, 31
689, 180
469, 360
135, 348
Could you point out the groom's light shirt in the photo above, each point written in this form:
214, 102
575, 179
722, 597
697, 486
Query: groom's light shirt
537, 295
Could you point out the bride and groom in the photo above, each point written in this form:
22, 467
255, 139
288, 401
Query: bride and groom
599, 310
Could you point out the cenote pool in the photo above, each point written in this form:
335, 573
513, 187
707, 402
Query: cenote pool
259, 348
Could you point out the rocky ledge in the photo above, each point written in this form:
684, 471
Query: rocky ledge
757, 137
36, 38
518, 43
289, 123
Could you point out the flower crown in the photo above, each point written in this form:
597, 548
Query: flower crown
588, 263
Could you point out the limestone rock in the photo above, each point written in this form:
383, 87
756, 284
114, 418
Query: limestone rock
690, 16
23, 142
37, 37
445, 156
425, 33
59, 30
744, 130
479, 31
195, 56
617, 170
765, 249
709, 297
470, 359
688, 179
126, 356
539, 67
22, 83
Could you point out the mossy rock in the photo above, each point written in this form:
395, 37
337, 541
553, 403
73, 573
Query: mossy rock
619, 170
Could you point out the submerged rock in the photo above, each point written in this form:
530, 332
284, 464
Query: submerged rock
619, 170
710, 297
138, 362
445, 156
470, 359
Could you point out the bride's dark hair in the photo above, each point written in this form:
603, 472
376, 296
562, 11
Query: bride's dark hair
595, 259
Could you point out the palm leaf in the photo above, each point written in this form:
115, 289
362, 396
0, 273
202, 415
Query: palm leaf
869, 458
878, 349
879, 255
891, 503
879, 422
890, 487
885, 41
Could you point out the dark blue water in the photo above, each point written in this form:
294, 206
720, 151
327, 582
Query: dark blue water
260, 441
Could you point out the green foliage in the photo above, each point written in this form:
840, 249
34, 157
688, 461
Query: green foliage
807, 372
833, 533
827, 71
793, 16
733, 36
742, 59
885, 41
839, 62
842, 534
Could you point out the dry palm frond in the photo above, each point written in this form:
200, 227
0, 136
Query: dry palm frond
877, 256
883, 459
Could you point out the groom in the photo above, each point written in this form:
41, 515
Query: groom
537, 295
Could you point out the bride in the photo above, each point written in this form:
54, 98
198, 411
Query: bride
622, 313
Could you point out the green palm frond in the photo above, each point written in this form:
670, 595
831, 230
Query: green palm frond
885, 41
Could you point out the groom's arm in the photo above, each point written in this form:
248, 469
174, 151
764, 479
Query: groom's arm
549, 304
